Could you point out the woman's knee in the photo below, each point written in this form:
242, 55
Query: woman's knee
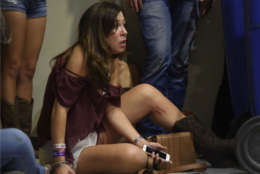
12, 67
27, 72
147, 91
137, 156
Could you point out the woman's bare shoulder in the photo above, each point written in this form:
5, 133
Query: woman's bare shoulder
77, 62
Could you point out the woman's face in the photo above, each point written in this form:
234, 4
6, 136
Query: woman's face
117, 38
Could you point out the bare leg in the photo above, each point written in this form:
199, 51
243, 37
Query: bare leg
33, 42
106, 158
145, 99
13, 54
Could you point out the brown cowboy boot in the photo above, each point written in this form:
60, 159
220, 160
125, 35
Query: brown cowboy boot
8, 115
206, 142
24, 114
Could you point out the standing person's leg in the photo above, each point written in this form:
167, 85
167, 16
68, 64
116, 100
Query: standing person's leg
111, 158
184, 20
155, 20
33, 43
11, 63
17, 153
12, 58
35, 28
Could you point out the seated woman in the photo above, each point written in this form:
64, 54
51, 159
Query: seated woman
17, 153
85, 112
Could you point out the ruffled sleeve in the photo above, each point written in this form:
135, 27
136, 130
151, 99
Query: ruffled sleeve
114, 95
68, 87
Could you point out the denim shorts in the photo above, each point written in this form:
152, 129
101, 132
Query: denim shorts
32, 8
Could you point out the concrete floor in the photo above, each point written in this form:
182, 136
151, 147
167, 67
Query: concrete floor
211, 170
217, 171
208, 171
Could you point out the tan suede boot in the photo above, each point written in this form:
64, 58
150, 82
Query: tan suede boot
24, 114
8, 115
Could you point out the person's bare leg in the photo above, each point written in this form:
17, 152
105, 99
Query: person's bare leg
33, 43
12, 58
145, 99
111, 158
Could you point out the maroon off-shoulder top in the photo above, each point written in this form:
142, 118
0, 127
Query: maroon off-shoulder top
87, 106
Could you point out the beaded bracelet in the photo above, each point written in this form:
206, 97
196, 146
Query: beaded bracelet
59, 146
58, 164
137, 139
58, 153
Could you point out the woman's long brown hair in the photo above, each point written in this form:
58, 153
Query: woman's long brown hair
95, 25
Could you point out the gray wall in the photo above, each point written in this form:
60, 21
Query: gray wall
206, 62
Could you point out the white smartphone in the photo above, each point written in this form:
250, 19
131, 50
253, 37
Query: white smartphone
165, 156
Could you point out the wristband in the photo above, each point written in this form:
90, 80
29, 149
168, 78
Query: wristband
57, 164
137, 139
59, 146
59, 153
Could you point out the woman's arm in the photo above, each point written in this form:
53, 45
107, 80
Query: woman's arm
75, 64
124, 127
58, 126
58, 131
120, 122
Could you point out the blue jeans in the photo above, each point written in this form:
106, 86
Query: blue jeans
32, 8
168, 28
17, 153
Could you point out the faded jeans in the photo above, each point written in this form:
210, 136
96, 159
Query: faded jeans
168, 27
17, 153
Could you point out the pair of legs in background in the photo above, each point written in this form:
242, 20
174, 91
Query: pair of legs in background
168, 28
26, 21
136, 103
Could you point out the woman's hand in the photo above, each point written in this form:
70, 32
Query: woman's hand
136, 4
63, 169
158, 163
155, 145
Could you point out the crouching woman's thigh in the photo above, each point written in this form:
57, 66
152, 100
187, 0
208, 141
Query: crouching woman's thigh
141, 92
111, 158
